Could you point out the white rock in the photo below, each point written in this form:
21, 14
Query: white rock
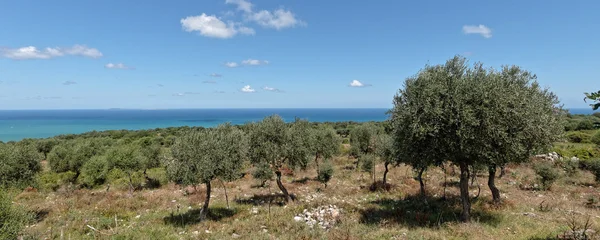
298, 219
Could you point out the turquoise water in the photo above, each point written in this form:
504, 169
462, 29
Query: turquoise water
18, 124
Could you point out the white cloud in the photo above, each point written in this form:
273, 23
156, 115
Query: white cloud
209, 81
356, 83
271, 89
215, 75
231, 64
480, 29
248, 89
178, 94
254, 62
31, 52
242, 5
160, 85
117, 66
69, 83
212, 26
278, 19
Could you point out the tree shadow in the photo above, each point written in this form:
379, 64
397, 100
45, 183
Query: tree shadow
264, 199
151, 183
454, 184
379, 186
40, 214
192, 217
416, 211
303, 180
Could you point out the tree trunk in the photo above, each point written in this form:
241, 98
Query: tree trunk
420, 177
385, 173
464, 192
130, 184
445, 181
317, 163
492, 184
204, 211
502, 171
226, 197
286, 195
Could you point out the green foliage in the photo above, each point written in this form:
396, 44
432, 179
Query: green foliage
362, 139
299, 146
384, 147
571, 167
581, 151
263, 172
268, 141
150, 149
52, 181
547, 174
71, 155
325, 172
158, 174
578, 137
93, 172
473, 116
44, 146
592, 165
201, 156
325, 142
596, 138
585, 125
12, 218
367, 162
18, 164
595, 98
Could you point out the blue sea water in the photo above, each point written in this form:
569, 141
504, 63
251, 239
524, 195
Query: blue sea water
19, 124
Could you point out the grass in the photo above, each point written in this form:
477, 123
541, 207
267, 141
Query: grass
170, 211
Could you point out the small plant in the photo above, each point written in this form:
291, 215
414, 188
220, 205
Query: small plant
12, 218
263, 173
592, 165
547, 174
325, 172
545, 207
578, 231
592, 201
596, 138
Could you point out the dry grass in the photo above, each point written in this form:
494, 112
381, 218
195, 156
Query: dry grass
169, 212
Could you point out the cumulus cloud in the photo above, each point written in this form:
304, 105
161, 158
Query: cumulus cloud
209, 81
356, 83
117, 66
271, 89
231, 64
254, 62
31, 52
215, 75
69, 83
212, 26
278, 19
247, 89
479, 29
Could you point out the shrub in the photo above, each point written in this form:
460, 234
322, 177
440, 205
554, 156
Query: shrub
571, 167
263, 173
325, 172
547, 174
94, 171
18, 164
12, 218
596, 138
585, 125
592, 165
578, 137
52, 181
158, 174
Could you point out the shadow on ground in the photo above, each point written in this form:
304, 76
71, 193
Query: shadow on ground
264, 199
416, 211
192, 217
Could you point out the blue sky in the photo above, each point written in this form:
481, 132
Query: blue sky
181, 54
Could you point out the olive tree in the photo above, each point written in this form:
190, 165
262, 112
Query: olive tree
127, 158
595, 98
325, 143
18, 164
72, 155
449, 111
272, 142
46, 145
384, 148
362, 139
204, 155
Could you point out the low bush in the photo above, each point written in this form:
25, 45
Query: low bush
12, 218
52, 181
571, 167
159, 175
578, 137
547, 174
262, 172
18, 165
325, 172
592, 165
596, 138
94, 171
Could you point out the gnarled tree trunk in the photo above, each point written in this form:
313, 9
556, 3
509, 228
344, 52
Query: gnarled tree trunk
226, 197
204, 211
420, 177
317, 163
464, 192
502, 171
385, 173
286, 195
492, 183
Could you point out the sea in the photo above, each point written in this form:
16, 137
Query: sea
16, 125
